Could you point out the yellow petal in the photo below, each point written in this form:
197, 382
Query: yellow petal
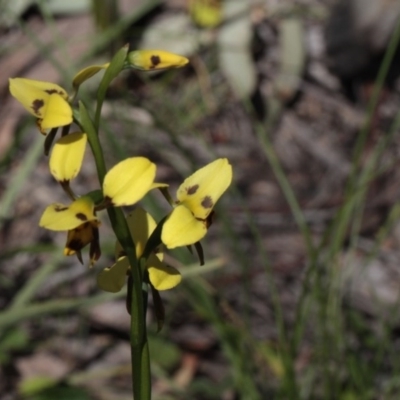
162, 276
128, 181
141, 225
151, 60
182, 228
57, 112
67, 156
200, 191
21, 85
44, 100
113, 279
86, 73
58, 217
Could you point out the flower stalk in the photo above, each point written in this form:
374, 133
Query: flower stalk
140, 358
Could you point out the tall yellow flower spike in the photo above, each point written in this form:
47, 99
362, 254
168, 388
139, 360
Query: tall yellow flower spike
67, 156
161, 276
152, 60
46, 101
196, 198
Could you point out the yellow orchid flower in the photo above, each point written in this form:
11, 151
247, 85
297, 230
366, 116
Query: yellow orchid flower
196, 198
80, 220
152, 60
45, 100
161, 276
59, 217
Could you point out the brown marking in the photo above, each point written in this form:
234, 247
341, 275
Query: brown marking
37, 105
52, 91
207, 202
60, 208
81, 216
192, 189
155, 60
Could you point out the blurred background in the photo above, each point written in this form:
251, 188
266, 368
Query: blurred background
299, 295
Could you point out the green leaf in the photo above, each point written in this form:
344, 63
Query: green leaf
111, 72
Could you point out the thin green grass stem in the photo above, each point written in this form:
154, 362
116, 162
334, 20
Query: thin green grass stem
284, 184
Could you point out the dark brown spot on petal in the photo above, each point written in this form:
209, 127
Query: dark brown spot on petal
52, 91
37, 105
155, 60
60, 208
81, 216
192, 189
207, 202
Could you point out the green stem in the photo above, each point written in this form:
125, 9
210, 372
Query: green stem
141, 377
